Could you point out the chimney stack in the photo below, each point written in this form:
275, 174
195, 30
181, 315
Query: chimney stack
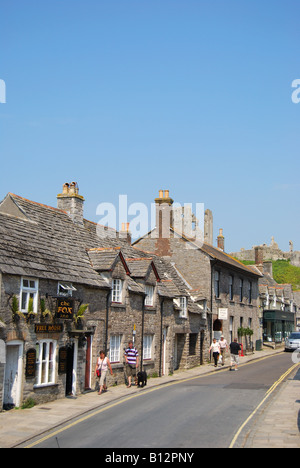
259, 255
71, 202
164, 220
268, 268
164, 215
125, 232
221, 241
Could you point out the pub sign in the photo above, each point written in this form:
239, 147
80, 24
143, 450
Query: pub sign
65, 308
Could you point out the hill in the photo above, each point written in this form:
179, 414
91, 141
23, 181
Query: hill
284, 273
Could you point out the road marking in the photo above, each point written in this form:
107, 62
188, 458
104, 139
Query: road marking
123, 400
269, 392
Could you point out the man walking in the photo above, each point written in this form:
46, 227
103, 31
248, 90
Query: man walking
235, 349
132, 362
223, 348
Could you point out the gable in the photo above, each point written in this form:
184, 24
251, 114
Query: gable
9, 206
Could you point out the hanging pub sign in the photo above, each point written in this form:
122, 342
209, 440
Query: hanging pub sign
65, 308
30, 363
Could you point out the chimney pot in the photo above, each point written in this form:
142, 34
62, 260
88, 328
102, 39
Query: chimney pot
71, 202
161, 194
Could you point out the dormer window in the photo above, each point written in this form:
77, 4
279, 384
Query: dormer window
149, 300
117, 289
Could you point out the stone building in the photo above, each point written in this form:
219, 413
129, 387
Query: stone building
229, 288
278, 303
66, 293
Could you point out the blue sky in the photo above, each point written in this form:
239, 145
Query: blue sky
133, 96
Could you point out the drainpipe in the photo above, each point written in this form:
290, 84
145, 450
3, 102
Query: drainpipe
143, 325
161, 335
106, 321
212, 263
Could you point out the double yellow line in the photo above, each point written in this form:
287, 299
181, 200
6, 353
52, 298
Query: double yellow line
269, 392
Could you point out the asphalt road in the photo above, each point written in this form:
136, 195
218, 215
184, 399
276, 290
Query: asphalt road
202, 412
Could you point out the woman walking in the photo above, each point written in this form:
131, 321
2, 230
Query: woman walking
102, 366
215, 348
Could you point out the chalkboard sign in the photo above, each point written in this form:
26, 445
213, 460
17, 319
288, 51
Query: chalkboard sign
62, 360
30, 363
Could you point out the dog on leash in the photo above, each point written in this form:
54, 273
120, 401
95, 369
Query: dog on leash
142, 379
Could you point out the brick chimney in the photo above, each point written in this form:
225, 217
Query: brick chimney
259, 255
164, 220
125, 232
221, 240
71, 202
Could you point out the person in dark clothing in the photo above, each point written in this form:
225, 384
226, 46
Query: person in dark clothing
235, 349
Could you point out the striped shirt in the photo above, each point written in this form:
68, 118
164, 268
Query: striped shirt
131, 354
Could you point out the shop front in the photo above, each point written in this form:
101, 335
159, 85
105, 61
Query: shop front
277, 325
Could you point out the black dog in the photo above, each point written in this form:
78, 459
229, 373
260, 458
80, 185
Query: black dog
142, 379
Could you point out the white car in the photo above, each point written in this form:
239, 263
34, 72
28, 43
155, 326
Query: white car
292, 342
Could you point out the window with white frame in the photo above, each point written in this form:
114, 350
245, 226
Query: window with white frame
117, 289
65, 289
45, 362
183, 307
29, 294
147, 346
250, 292
217, 284
241, 289
149, 300
115, 348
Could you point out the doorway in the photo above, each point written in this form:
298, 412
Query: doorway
13, 375
70, 368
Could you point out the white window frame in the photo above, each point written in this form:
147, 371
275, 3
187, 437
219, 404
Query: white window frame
147, 347
29, 291
115, 348
250, 292
149, 299
183, 306
241, 290
45, 363
65, 289
117, 291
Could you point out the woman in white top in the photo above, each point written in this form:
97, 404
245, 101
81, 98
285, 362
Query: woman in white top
215, 348
101, 370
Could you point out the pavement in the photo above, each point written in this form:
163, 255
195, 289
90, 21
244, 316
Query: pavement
277, 424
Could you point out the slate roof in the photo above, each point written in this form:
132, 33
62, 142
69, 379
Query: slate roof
104, 259
43, 242
212, 251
